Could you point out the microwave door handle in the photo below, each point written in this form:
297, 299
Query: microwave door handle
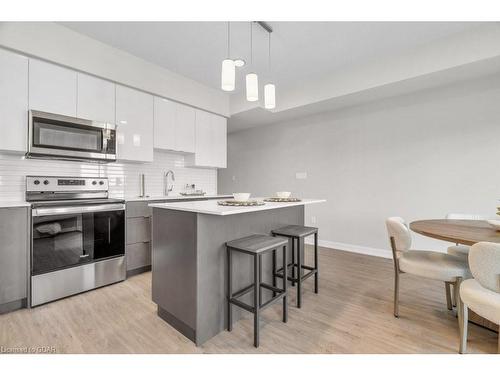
104, 141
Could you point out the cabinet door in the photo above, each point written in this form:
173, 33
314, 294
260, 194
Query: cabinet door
13, 101
13, 254
164, 128
219, 141
203, 152
96, 99
185, 122
134, 115
52, 88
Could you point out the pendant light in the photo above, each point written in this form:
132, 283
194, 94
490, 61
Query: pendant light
269, 89
252, 80
228, 76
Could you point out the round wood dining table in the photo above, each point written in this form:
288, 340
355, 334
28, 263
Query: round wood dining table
466, 232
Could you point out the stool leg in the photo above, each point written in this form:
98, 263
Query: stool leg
260, 278
316, 275
285, 274
293, 261
299, 278
256, 301
274, 272
229, 290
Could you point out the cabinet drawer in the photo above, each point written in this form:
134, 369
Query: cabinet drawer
138, 255
138, 230
138, 209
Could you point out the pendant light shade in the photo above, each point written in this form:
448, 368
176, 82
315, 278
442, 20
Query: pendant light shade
228, 76
270, 96
252, 82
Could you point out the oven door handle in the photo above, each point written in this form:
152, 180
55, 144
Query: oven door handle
77, 209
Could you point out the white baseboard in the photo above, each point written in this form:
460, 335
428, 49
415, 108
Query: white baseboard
383, 253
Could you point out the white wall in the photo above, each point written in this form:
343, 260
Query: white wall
418, 156
58, 44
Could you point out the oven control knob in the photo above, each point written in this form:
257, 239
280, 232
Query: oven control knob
36, 182
101, 182
46, 182
94, 182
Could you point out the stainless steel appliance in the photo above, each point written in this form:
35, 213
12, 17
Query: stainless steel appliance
77, 236
70, 138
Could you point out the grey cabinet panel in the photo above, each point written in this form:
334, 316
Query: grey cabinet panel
138, 230
13, 254
138, 255
138, 209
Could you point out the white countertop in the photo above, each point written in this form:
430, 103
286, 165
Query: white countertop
6, 204
212, 208
177, 197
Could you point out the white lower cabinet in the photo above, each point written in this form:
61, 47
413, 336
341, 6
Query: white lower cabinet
174, 126
134, 122
13, 101
211, 141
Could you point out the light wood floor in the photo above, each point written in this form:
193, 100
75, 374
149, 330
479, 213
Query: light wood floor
352, 314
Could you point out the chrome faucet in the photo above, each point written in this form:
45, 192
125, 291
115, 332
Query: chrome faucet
166, 188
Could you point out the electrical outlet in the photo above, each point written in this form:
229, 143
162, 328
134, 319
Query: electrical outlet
234, 178
301, 175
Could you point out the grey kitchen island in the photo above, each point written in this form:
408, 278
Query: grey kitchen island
189, 259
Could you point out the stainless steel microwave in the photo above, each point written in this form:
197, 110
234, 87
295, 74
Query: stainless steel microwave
70, 138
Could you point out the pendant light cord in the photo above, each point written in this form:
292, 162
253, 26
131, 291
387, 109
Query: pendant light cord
269, 53
251, 43
228, 40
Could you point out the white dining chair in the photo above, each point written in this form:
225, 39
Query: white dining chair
428, 264
482, 293
458, 249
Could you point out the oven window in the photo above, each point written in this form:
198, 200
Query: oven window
56, 134
69, 240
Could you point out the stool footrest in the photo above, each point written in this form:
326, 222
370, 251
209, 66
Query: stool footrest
243, 305
271, 288
233, 299
272, 300
296, 279
243, 291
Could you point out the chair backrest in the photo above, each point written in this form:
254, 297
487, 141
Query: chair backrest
453, 216
484, 263
397, 228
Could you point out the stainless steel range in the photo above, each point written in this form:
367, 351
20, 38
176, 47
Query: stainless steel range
77, 236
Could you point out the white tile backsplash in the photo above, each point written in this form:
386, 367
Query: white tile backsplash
123, 177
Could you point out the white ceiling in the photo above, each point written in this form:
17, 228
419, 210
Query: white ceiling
301, 50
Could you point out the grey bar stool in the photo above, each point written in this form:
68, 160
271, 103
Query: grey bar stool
297, 233
255, 245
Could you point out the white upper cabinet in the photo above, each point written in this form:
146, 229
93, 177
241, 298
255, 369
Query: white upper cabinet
211, 141
185, 128
13, 101
164, 128
52, 88
96, 99
174, 126
219, 129
134, 121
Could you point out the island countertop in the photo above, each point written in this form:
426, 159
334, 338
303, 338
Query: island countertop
211, 207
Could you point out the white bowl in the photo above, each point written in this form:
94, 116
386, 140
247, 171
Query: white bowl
494, 223
241, 197
283, 194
